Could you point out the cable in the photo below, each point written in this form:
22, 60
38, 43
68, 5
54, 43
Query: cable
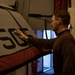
46, 28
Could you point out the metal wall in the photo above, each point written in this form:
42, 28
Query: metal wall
43, 7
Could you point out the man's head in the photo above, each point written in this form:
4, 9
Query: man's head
60, 19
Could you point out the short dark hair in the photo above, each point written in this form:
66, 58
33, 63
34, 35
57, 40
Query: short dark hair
64, 15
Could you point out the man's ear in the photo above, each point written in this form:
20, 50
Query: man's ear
59, 21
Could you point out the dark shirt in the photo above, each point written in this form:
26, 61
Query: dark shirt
63, 51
